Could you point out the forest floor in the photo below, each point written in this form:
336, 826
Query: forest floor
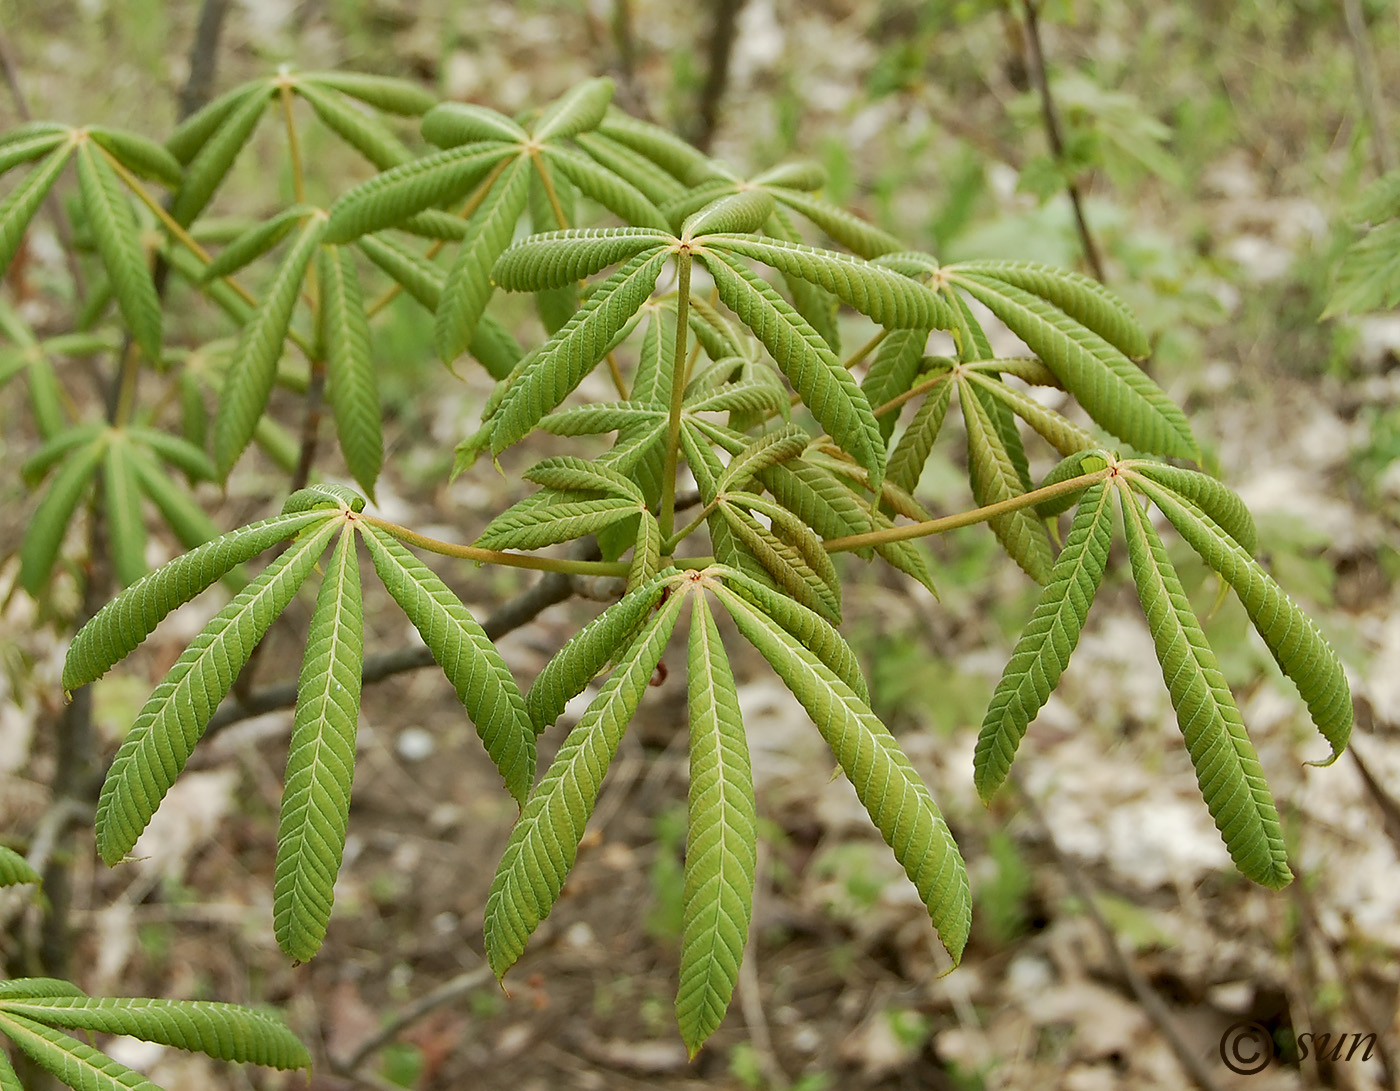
1113, 937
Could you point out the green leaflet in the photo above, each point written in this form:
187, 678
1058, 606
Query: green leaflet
1299, 648
367, 135
181, 512
254, 243
126, 526
994, 479
175, 715
44, 536
417, 276
393, 96
580, 474
451, 124
468, 287
351, 384
1368, 274
29, 987
180, 453
17, 209
532, 526
192, 133
254, 367
15, 869
389, 198
1075, 465
915, 445
559, 259
816, 374
321, 760
119, 243
55, 449
208, 167
544, 842
1063, 435
789, 552
1227, 768
323, 494
13, 152
800, 175
125, 621
654, 183
771, 449
616, 194
589, 420
1082, 298
466, 655
897, 799
9, 1078
883, 295
672, 154
1114, 390
646, 551
588, 651
721, 850
577, 110
575, 349
225, 1032
76, 1063
892, 373
144, 157
1213, 497
1043, 649
810, 629
849, 230
741, 213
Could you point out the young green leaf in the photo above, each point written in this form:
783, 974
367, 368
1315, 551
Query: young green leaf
646, 551
180, 453
125, 621
1227, 768
654, 183
254, 243
568, 472
816, 374
194, 132
575, 349
737, 213
126, 526
898, 801
44, 536
1043, 649
15, 869
559, 259
672, 154
119, 243
588, 651
616, 194
893, 371
534, 525
721, 840
321, 760
777, 446
393, 96
208, 168
575, 111
466, 655
791, 561
1213, 497
225, 1032
144, 157
590, 420
181, 512
1062, 434
468, 287
544, 842
13, 152
366, 134
17, 209
916, 444
451, 124
175, 715
254, 367
849, 230
76, 1063
417, 276
351, 386
1301, 651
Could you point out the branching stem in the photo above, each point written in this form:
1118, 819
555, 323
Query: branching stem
293, 144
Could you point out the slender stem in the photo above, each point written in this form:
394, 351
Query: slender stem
496, 556
549, 190
1054, 135
966, 518
293, 144
678, 369
616, 372
124, 395
669, 545
865, 350
913, 392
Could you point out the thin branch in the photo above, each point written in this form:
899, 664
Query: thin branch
444, 994
495, 556
1053, 134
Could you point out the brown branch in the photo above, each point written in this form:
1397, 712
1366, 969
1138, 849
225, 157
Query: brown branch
719, 54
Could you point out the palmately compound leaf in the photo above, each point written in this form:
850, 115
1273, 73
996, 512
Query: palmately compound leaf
1299, 648
1082, 298
721, 846
468, 287
881, 294
351, 386
559, 259
1227, 768
176, 714
44, 536
254, 367
544, 843
466, 655
15, 869
321, 760
1213, 497
119, 242
826, 388
226, 1032
1042, 651
75, 1063
18, 208
128, 619
1113, 390
575, 349
588, 651
898, 801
